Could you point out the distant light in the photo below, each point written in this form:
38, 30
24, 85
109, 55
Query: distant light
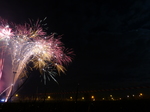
103, 98
133, 95
70, 97
92, 97
48, 97
110, 95
112, 98
82, 98
141, 94
2, 100
16, 95
127, 96
119, 98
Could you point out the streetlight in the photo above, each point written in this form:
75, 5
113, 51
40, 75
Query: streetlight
16, 95
141, 94
92, 97
70, 97
82, 98
49, 97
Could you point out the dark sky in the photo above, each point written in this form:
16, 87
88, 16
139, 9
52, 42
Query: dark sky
111, 40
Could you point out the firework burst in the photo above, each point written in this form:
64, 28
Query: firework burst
29, 43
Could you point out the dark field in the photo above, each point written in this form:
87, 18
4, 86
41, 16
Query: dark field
62, 106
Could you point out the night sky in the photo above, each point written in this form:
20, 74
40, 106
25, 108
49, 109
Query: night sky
110, 39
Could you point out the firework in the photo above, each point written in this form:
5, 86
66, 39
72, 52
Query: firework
29, 43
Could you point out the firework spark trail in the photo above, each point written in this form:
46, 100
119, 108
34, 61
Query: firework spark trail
29, 43
1, 63
6, 89
5, 34
1, 67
